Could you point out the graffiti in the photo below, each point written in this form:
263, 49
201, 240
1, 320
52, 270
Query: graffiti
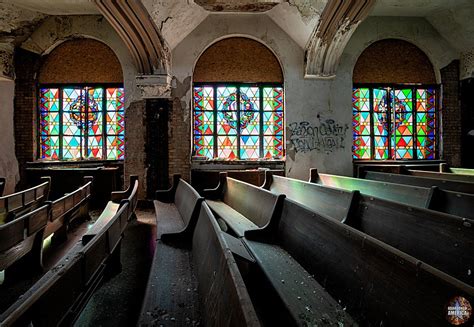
326, 136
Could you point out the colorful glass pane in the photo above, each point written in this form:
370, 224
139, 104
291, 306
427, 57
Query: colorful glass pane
227, 147
204, 122
361, 99
249, 147
203, 98
273, 123
224, 120
49, 99
273, 147
204, 146
361, 123
381, 147
272, 98
115, 147
70, 126
361, 147
115, 99
71, 147
94, 149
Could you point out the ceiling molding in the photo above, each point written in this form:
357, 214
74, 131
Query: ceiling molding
338, 22
131, 21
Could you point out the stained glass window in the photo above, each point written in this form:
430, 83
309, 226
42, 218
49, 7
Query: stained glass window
238, 122
394, 122
81, 123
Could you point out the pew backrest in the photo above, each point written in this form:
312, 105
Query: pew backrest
411, 195
377, 283
462, 171
224, 297
456, 186
59, 296
70, 201
441, 240
329, 201
442, 176
15, 204
17, 236
185, 200
254, 203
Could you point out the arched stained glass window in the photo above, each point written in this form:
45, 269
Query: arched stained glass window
81, 122
394, 122
243, 121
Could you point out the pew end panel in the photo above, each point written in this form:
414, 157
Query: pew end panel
2, 185
117, 196
167, 196
217, 192
224, 297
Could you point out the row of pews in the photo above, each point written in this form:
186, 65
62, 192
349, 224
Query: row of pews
331, 251
59, 296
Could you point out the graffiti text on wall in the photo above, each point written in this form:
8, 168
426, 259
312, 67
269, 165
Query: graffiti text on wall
325, 136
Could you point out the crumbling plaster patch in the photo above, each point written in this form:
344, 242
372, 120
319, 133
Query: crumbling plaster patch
467, 64
8, 162
175, 18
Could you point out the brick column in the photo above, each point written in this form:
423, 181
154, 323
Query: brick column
451, 115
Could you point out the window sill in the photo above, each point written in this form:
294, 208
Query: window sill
236, 164
51, 164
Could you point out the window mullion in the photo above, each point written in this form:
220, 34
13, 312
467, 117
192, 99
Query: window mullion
261, 132
215, 154
238, 122
414, 120
61, 128
372, 125
104, 123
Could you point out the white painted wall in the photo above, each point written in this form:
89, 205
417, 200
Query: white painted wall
8, 162
309, 101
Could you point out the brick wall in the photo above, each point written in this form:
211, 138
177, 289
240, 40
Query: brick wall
451, 115
135, 133
179, 134
25, 113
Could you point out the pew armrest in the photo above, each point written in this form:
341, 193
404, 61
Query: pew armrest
216, 193
167, 196
117, 196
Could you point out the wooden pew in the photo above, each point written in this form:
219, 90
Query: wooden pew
455, 186
243, 206
441, 175
194, 264
2, 185
67, 208
61, 294
16, 204
21, 243
376, 283
329, 201
454, 203
441, 240
461, 171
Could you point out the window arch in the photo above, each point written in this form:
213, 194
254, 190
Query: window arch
395, 105
81, 103
238, 102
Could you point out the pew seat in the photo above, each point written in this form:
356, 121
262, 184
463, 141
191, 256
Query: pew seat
306, 301
192, 261
242, 206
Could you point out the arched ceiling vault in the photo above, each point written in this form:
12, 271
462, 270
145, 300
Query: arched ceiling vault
136, 28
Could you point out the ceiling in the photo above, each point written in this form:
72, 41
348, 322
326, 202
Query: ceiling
177, 18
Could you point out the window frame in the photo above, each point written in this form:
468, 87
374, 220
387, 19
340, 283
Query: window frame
413, 87
238, 134
61, 87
